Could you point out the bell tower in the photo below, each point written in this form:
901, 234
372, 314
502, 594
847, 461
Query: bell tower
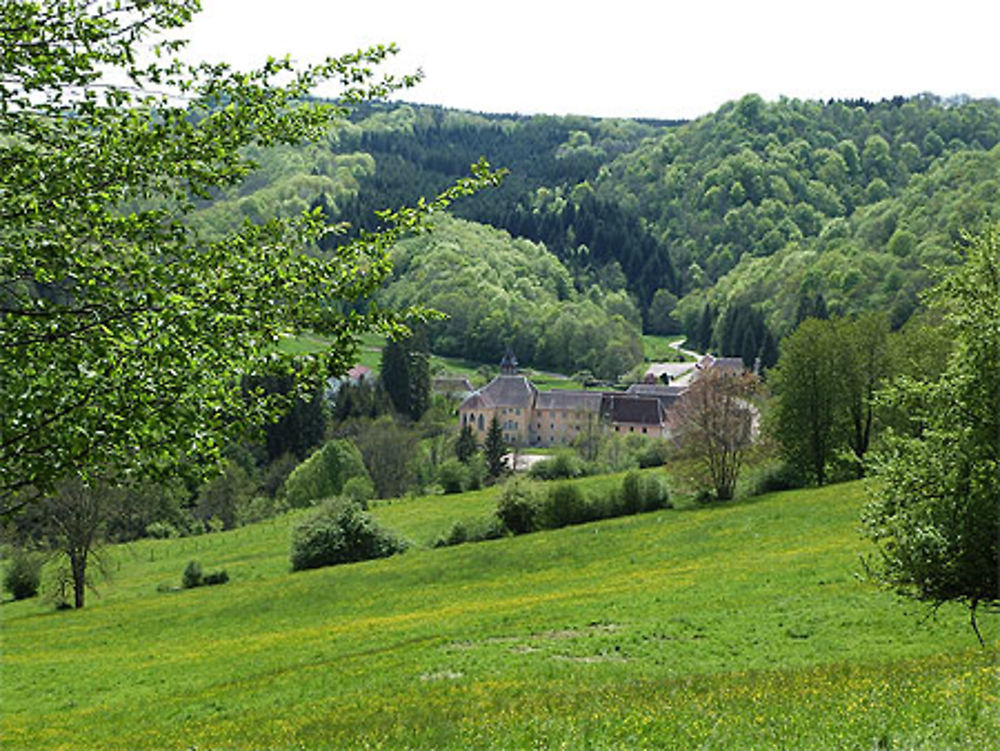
508, 365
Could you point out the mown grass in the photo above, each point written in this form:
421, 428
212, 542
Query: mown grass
739, 626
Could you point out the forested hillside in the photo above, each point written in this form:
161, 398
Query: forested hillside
730, 228
847, 201
496, 290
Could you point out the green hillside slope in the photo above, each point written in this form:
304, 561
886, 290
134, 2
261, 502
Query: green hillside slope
721, 627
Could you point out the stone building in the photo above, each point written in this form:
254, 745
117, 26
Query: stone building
530, 417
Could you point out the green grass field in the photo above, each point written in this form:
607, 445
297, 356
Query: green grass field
738, 626
657, 348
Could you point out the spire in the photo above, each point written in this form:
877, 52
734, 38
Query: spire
508, 365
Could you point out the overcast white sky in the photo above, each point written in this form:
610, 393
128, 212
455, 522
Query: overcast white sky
629, 58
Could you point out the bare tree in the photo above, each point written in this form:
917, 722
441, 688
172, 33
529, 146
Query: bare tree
76, 514
714, 424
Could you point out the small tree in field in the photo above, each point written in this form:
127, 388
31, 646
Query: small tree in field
714, 425
75, 516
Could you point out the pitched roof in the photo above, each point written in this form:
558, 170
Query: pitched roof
358, 372
502, 391
667, 395
565, 399
633, 409
730, 364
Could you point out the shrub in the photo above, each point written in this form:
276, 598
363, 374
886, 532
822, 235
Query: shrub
324, 473
161, 530
340, 532
654, 453
643, 492
476, 530
565, 504
475, 471
216, 577
772, 477
563, 465
452, 476
258, 508
359, 490
192, 575
518, 508
23, 575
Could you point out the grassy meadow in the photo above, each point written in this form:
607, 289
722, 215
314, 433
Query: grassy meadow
735, 626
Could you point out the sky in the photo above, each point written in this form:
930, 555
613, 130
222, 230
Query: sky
627, 58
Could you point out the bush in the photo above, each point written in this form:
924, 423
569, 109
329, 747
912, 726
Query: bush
161, 530
773, 477
565, 504
192, 575
518, 508
324, 473
654, 453
452, 476
340, 532
216, 577
563, 465
23, 575
477, 530
358, 490
643, 492
258, 508
475, 470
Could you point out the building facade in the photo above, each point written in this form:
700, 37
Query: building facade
529, 417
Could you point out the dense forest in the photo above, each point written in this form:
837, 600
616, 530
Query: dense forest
730, 229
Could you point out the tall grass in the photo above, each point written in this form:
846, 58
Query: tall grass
736, 626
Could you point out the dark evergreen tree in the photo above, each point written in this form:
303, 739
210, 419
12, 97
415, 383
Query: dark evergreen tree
465, 444
419, 373
703, 337
768, 351
300, 428
406, 373
494, 449
395, 374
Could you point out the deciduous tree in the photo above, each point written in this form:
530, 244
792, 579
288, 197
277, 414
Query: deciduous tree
863, 365
934, 513
809, 388
124, 333
714, 424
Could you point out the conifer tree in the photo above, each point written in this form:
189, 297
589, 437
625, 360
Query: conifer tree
494, 448
465, 445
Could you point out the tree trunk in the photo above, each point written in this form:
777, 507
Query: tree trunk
78, 564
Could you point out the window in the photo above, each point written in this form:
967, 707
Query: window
517, 411
481, 422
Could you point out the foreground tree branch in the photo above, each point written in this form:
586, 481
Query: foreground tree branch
124, 334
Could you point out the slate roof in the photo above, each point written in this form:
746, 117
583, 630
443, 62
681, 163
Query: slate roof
502, 391
568, 400
641, 410
728, 364
667, 395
